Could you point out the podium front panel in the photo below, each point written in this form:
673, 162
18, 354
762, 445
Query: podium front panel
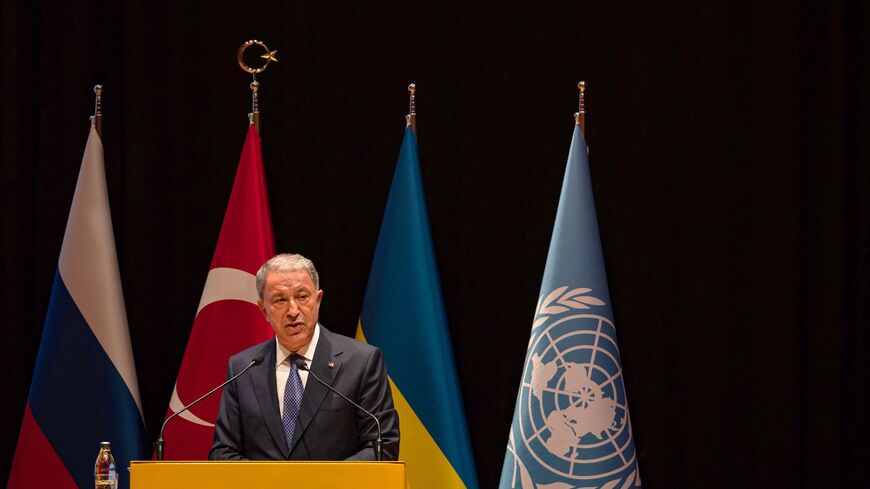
266, 475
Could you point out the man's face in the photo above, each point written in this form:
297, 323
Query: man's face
291, 305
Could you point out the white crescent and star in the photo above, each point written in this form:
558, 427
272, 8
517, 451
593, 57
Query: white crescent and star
222, 284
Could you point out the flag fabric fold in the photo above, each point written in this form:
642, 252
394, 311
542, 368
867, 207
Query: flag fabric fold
84, 388
571, 426
403, 314
227, 319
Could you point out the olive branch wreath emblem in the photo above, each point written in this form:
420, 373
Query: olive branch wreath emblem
557, 302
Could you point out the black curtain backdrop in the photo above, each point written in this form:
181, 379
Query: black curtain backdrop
729, 153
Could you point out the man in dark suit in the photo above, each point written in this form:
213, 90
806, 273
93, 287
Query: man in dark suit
276, 411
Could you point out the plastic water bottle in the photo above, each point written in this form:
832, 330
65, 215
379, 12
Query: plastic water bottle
105, 475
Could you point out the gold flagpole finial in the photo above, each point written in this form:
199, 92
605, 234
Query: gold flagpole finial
269, 56
254, 115
580, 115
411, 118
97, 118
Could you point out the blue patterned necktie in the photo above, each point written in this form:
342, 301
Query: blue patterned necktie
292, 400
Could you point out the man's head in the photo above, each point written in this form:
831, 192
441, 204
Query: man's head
290, 295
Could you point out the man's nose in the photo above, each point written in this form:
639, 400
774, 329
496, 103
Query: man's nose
292, 308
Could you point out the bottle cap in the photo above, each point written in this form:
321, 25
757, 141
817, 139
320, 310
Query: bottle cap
105, 444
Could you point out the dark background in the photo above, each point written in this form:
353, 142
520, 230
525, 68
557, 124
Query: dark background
729, 158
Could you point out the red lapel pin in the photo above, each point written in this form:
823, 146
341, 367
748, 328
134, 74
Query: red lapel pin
330, 365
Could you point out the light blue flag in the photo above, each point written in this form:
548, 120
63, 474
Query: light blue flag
403, 314
571, 427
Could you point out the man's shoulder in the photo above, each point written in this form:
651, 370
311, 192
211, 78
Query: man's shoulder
245, 356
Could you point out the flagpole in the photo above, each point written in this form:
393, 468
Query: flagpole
269, 56
411, 118
97, 118
580, 115
254, 116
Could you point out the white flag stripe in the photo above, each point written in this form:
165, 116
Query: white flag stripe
88, 265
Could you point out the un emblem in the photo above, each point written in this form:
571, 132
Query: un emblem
573, 423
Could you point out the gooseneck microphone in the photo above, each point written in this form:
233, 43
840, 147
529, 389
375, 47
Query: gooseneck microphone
159, 444
378, 444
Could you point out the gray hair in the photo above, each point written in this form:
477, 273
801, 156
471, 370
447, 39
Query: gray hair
286, 262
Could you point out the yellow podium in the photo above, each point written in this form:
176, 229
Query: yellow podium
266, 475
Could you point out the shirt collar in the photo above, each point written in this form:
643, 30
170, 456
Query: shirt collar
306, 352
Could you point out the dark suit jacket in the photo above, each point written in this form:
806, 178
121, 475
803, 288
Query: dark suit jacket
329, 428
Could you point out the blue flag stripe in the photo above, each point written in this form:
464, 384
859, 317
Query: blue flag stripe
77, 396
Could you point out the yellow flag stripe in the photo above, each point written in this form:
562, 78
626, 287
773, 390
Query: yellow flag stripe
425, 463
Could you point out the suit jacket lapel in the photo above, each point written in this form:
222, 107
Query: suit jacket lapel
315, 392
267, 397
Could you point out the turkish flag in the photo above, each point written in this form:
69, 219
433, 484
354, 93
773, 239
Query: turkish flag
227, 319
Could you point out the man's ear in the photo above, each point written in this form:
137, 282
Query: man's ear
262, 306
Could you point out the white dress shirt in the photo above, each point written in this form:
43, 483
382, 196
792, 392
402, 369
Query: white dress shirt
282, 366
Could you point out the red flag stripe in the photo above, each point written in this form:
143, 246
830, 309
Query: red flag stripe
36, 463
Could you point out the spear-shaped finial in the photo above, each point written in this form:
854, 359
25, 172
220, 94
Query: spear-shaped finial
97, 118
411, 118
254, 116
580, 115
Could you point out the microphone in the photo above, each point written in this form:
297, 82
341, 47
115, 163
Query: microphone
378, 444
159, 444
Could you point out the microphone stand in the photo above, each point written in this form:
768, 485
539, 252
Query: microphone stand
378, 443
159, 444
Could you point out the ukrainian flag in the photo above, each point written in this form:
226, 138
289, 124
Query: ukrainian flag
403, 315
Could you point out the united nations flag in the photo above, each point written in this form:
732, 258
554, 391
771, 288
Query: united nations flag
571, 428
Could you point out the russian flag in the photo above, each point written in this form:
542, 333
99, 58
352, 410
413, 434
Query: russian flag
84, 388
